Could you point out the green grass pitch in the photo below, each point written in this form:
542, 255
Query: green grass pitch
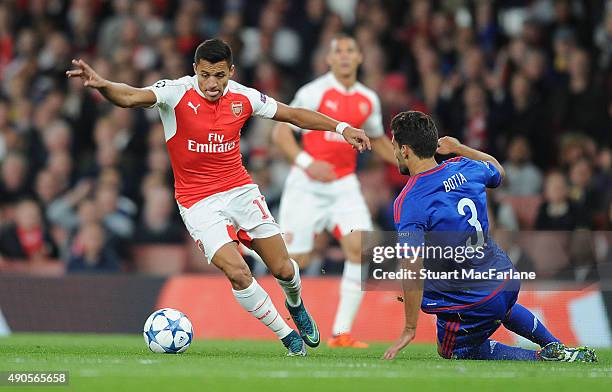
123, 363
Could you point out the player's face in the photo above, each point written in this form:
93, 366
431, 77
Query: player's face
213, 78
401, 159
344, 57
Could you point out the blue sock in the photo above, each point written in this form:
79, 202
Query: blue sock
495, 351
521, 321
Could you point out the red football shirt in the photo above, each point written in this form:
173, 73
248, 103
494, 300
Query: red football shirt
358, 106
203, 137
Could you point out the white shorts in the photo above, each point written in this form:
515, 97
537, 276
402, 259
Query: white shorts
240, 214
308, 207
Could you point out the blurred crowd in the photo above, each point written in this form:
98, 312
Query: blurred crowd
84, 182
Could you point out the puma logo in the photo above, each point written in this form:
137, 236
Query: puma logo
195, 108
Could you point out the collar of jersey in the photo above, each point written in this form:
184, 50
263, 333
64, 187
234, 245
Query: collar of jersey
434, 169
197, 88
339, 86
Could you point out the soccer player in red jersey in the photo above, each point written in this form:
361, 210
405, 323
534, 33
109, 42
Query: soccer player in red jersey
323, 181
202, 117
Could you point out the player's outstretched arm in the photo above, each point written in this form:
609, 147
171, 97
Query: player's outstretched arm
309, 119
383, 147
450, 145
118, 93
413, 294
282, 136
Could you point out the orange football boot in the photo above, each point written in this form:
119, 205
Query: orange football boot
345, 340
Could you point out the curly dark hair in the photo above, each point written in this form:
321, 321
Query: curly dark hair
416, 130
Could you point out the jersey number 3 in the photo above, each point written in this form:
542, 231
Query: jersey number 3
473, 221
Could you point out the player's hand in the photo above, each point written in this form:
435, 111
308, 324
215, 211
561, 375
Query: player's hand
321, 171
85, 72
357, 138
448, 145
407, 337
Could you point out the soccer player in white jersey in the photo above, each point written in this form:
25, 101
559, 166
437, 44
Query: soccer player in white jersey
202, 117
322, 191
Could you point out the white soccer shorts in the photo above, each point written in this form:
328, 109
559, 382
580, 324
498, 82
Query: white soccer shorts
308, 207
240, 214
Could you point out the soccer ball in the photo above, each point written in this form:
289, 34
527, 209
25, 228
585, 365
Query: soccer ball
168, 331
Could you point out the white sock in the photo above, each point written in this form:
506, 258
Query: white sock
256, 301
293, 287
350, 298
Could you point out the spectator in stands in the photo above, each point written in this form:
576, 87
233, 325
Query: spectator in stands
477, 130
47, 188
158, 223
13, 178
602, 184
582, 191
580, 103
523, 178
63, 211
6, 131
61, 165
115, 211
558, 212
524, 113
603, 40
57, 137
93, 255
534, 67
27, 239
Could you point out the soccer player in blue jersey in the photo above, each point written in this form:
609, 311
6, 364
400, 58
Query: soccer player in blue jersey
447, 201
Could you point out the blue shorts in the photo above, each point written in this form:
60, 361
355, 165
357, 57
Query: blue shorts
462, 328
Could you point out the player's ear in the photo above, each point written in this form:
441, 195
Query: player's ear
194, 69
405, 150
231, 71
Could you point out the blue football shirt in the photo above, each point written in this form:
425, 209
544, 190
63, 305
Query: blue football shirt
446, 207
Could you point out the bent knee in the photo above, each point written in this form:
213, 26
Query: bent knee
284, 271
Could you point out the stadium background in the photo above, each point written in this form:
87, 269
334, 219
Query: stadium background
87, 216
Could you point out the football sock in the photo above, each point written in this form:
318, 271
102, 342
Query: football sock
493, 350
350, 298
293, 287
521, 321
256, 301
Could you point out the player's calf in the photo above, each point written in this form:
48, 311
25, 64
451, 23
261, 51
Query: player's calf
252, 297
229, 260
274, 253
